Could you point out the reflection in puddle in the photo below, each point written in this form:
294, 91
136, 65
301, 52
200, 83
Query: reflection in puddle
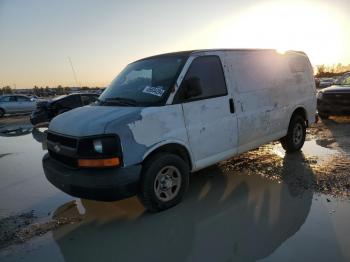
23, 184
39, 134
16, 131
310, 149
253, 219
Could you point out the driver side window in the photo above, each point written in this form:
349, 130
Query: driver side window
208, 72
22, 99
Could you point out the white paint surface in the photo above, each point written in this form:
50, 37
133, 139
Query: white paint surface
265, 91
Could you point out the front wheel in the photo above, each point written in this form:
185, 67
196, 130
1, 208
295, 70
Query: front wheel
164, 181
295, 138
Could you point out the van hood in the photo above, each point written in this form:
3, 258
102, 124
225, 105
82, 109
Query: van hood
89, 120
336, 89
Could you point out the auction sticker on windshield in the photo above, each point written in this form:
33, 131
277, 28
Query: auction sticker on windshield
154, 90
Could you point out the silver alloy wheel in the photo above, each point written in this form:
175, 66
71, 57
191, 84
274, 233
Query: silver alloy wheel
167, 183
298, 133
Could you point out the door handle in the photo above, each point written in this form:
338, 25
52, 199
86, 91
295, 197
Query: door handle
232, 105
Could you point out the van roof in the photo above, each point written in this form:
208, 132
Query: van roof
189, 52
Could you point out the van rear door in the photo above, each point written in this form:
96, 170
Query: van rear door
209, 117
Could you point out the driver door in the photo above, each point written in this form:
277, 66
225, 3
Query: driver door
210, 120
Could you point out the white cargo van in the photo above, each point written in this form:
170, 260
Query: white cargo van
166, 116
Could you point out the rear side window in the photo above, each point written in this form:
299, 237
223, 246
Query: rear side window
209, 71
70, 101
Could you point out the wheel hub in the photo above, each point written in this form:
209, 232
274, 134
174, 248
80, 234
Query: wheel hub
297, 134
167, 183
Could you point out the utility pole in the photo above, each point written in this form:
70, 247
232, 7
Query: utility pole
74, 74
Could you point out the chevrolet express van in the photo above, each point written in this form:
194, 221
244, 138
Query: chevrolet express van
166, 116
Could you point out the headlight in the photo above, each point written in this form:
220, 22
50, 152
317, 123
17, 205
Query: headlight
102, 146
98, 146
319, 95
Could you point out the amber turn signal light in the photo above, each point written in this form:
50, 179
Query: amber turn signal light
108, 162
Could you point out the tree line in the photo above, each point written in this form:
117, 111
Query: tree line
45, 91
321, 71
331, 70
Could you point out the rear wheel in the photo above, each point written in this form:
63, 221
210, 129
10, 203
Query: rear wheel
164, 181
295, 138
2, 112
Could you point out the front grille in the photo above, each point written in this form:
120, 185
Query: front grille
63, 140
337, 98
66, 160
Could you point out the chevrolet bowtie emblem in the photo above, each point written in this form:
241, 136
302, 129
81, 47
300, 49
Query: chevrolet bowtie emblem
57, 148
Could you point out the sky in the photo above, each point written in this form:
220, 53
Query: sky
38, 37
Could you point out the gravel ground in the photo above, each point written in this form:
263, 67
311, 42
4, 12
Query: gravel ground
329, 176
20, 228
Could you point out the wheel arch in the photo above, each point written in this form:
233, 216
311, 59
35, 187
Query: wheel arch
300, 110
173, 147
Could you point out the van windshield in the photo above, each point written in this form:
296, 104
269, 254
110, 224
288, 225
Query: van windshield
145, 82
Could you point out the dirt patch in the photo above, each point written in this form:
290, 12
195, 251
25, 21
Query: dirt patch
14, 119
20, 228
300, 171
318, 131
333, 176
15, 125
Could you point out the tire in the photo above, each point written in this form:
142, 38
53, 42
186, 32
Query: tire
323, 115
164, 181
2, 112
34, 121
295, 138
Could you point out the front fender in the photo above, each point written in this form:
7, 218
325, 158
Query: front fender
169, 142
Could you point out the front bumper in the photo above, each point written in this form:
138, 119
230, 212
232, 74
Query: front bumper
97, 184
332, 108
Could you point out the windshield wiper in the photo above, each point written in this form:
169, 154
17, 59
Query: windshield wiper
120, 100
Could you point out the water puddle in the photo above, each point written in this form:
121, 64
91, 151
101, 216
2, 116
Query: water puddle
23, 184
238, 218
16, 130
227, 215
310, 149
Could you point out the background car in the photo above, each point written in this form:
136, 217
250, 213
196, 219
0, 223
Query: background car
34, 98
46, 110
317, 82
13, 104
335, 100
325, 82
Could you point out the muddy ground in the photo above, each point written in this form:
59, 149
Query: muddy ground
330, 172
322, 166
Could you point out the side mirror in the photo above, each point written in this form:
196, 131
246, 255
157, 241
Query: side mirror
193, 87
